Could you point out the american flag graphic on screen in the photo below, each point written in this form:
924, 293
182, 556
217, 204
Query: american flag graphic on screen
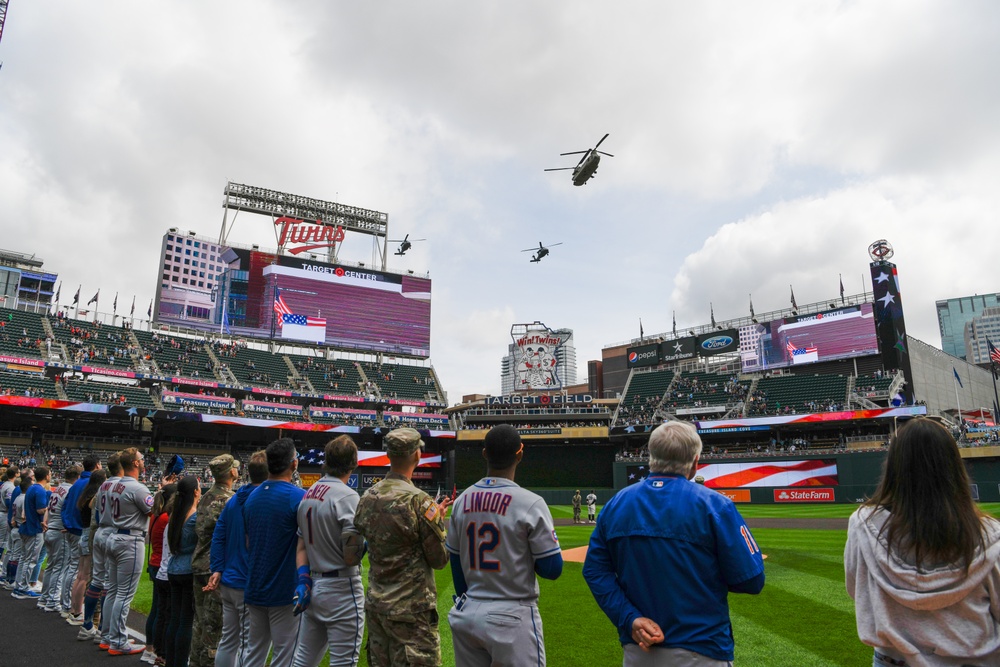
813, 472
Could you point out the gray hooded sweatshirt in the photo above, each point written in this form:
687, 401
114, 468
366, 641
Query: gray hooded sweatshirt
936, 615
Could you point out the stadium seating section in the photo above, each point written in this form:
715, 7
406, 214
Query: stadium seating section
865, 384
177, 356
696, 389
329, 376
785, 394
408, 382
643, 395
91, 392
14, 324
254, 367
34, 385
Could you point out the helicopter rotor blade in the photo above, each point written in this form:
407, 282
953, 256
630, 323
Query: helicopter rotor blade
575, 152
530, 250
602, 140
603, 153
559, 169
554, 244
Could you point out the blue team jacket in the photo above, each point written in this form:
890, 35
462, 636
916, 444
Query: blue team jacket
72, 521
671, 550
229, 544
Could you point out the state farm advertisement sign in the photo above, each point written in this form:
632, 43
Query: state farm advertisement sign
807, 495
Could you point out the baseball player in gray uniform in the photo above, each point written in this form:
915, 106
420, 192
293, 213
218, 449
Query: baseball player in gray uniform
130, 503
6, 490
56, 545
499, 537
333, 613
99, 571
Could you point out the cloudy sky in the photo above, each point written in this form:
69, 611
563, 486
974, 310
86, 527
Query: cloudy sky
756, 145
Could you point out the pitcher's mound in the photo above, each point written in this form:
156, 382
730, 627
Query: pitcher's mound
577, 555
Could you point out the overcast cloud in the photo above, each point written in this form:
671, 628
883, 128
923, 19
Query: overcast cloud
756, 145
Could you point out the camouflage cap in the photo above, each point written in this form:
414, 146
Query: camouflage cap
222, 464
698, 479
402, 441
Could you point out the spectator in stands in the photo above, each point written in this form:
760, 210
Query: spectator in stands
922, 561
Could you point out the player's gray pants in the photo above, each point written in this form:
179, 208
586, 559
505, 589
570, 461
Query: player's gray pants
13, 552
8, 554
69, 572
99, 573
55, 545
272, 625
125, 557
4, 537
497, 633
31, 548
662, 657
335, 619
234, 643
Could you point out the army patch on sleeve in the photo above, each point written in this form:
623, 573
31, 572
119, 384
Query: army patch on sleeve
432, 511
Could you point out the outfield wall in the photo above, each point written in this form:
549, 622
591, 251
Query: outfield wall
545, 466
858, 473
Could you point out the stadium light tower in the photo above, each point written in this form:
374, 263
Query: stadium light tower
277, 205
3, 15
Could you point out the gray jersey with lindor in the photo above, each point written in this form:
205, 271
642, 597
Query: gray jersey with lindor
499, 530
56, 500
129, 504
324, 515
103, 503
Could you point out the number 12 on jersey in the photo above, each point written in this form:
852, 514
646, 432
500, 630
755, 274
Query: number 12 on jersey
482, 541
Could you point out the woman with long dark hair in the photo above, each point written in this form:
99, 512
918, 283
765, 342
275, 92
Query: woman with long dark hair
922, 559
156, 622
181, 539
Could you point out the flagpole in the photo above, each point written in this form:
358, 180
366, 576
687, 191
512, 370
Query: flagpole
955, 380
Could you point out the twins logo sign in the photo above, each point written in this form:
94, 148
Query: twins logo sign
536, 356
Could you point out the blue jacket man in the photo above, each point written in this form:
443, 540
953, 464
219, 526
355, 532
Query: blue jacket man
696, 543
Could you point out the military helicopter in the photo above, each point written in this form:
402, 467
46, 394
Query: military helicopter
404, 244
587, 166
540, 252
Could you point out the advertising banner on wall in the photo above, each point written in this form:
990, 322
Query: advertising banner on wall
681, 348
804, 495
718, 343
643, 355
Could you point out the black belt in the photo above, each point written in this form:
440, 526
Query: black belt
134, 532
347, 572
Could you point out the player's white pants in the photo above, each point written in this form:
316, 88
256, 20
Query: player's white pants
69, 572
125, 557
272, 625
335, 619
235, 640
662, 657
55, 546
497, 633
31, 549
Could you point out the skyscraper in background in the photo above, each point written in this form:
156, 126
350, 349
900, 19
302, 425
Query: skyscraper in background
955, 314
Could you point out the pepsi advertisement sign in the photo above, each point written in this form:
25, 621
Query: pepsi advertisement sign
682, 348
719, 342
644, 355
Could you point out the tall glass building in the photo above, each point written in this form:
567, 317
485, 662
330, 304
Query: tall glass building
954, 315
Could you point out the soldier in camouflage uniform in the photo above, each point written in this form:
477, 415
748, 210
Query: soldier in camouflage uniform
207, 604
405, 530
577, 500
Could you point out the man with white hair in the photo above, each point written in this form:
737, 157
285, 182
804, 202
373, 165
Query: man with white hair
693, 539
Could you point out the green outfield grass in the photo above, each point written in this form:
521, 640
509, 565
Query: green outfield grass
803, 616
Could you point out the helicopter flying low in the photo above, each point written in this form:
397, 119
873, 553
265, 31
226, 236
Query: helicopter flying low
404, 244
587, 166
540, 252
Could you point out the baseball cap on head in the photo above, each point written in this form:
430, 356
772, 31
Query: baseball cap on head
222, 464
402, 441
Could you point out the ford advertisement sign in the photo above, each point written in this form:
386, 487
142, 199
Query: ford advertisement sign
718, 343
644, 355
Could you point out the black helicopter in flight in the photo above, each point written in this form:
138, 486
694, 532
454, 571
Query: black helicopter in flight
540, 252
587, 166
404, 244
